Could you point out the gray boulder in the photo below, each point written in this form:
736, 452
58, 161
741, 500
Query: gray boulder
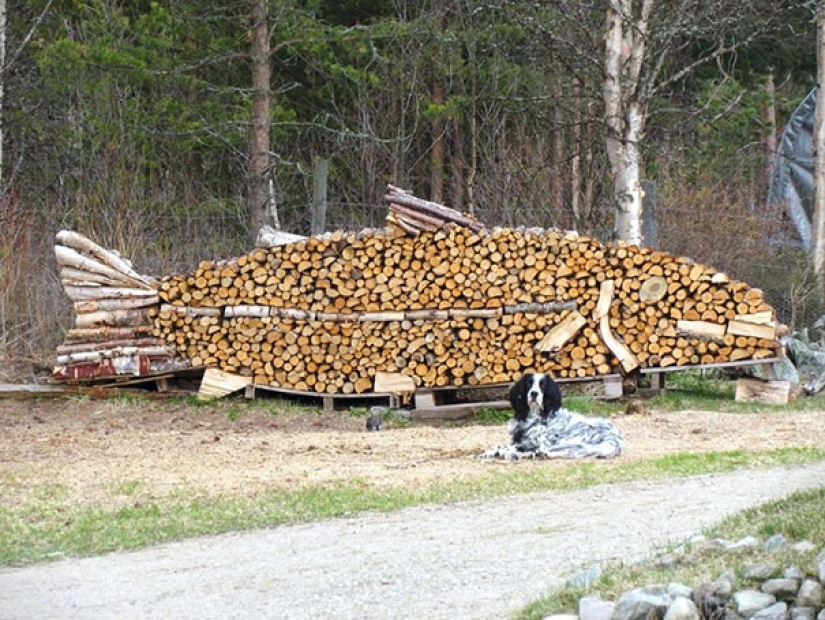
782, 589
594, 608
675, 590
760, 571
749, 602
585, 578
810, 594
682, 609
711, 596
643, 604
803, 613
777, 611
777, 542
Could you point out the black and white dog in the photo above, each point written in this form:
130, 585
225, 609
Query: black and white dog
541, 428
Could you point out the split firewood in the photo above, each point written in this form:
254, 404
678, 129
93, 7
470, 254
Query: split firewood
438, 299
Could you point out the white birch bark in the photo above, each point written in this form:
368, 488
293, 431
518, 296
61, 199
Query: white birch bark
626, 110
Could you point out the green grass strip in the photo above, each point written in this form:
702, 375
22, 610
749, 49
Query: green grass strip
51, 528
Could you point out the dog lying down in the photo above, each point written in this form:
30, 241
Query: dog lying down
542, 429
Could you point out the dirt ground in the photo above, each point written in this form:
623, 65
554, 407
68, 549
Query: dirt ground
113, 450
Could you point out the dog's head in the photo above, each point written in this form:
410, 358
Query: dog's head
537, 393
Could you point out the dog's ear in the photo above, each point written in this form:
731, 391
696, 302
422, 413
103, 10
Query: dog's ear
518, 398
552, 397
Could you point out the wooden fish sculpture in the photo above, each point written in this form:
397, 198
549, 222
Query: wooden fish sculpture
435, 296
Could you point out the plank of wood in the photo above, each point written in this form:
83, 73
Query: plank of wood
217, 384
561, 333
393, 383
701, 328
742, 328
763, 317
769, 392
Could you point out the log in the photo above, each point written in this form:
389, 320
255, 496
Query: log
757, 330
653, 289
626, 358
113, 318
702, 329
67, 257
117, 352
393, 383
107, 305
400, 197
561, 334
76, 241
768, 392
217, 383
189, 310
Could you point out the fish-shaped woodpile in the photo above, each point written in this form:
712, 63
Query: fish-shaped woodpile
435, 296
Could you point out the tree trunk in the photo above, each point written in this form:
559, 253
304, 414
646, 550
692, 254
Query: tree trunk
770, 124
260, 198
625, 113
437, 152
2, 85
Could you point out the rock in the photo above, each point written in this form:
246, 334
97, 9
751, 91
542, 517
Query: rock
777, 611
803, 613
714, 544
821, 615
810, 594
669, 562
760, 571
782, 589
643, 604
803, 546
374, 422
594, 608
749, 602
682, 609
793, 572
749, 542
776, 542
822, 571
675, 590
585, 578
727, 577
711, 596
561, 617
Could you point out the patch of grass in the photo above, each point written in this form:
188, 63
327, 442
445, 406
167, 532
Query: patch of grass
49, 527
488, 417
798, 517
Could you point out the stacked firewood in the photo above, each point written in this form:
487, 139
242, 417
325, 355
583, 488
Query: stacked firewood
441, 299
113, 332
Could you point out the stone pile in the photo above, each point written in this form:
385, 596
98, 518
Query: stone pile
766, 592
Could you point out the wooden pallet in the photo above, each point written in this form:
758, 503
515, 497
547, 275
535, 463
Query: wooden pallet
329, 402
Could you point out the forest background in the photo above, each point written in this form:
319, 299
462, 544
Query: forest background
131, 122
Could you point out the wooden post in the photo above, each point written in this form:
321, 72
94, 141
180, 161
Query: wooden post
319, 195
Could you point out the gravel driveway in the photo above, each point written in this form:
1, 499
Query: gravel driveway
466, 560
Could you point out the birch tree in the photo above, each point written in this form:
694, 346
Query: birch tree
648, 48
